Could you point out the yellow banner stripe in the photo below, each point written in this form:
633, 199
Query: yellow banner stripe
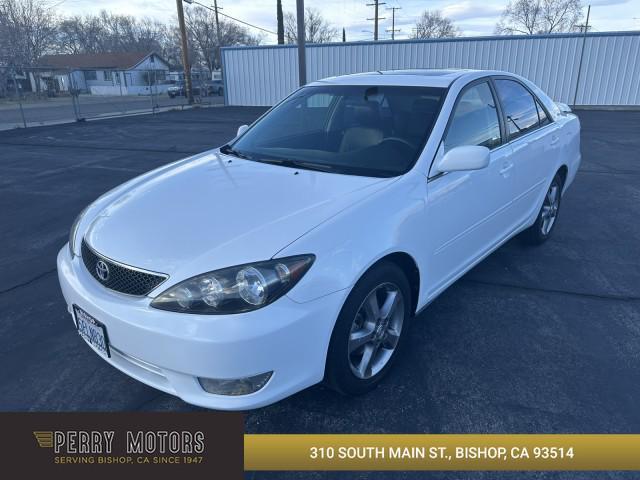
442, 452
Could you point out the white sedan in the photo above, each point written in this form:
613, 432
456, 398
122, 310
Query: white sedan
300, 251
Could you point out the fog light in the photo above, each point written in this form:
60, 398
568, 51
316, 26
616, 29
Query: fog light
235, 386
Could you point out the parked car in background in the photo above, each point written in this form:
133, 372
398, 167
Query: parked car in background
214, 87
179, 89
350, 206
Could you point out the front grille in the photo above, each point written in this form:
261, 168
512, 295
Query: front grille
119, 277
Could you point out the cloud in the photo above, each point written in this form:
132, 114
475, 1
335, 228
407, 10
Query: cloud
467, 10
607, 2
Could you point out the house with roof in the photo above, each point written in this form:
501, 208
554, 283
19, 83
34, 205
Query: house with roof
127, 73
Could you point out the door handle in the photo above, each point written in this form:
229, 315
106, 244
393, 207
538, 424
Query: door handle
554, 139
506, 166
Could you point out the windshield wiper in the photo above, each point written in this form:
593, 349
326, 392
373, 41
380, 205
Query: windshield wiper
312, 166
228, 150
295, 163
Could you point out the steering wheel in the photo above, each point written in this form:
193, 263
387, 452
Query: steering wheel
399, 140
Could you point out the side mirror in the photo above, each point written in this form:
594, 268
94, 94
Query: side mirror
242, 129
467, 157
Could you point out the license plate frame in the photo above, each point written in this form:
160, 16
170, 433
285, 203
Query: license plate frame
92, 331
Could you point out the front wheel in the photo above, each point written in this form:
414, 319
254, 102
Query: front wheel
369, 331
542, 228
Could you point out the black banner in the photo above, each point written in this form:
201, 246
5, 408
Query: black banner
105, 445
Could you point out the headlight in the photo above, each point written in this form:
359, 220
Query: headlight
74, 232
235, 289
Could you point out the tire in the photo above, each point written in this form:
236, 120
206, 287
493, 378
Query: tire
171, 96
547, 218
345, 371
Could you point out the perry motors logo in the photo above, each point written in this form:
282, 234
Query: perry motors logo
102, 270
98, 446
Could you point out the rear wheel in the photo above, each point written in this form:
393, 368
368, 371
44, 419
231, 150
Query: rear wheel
541, 230
369, 331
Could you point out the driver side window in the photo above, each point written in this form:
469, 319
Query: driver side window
474, 120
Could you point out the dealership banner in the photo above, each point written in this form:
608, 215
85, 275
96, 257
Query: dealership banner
106, 445
213, 445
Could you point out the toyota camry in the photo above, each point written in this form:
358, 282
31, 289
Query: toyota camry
300, 251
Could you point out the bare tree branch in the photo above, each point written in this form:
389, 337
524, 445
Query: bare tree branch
529, 17
432, 24
201, 29
317, 29
27, 31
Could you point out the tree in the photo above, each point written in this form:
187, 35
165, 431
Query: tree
317, 29
202, 36
529, 17
80, 35
27, 31
280, 20
432, 24
30, 29
201, 31
109, 32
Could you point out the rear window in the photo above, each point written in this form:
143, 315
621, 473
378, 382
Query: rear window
519, 107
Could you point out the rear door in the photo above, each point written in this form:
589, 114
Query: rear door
534, 139
469, 212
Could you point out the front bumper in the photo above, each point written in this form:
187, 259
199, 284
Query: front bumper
169, 351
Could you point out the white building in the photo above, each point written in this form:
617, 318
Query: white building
130, 73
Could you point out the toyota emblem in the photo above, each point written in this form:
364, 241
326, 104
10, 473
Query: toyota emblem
102, 270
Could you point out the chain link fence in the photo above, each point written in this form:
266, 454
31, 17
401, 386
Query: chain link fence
41, 96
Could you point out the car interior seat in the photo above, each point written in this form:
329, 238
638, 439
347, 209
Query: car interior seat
366, 130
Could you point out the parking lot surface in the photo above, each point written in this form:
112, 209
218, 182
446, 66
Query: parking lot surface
543, 339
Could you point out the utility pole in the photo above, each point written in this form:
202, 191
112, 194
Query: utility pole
302, 61
584, 27
185, 52
584, 40
218, 38
393, 22
375, 18
280, 21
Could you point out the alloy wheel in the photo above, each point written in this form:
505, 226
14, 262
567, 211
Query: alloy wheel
550, 208
376, 330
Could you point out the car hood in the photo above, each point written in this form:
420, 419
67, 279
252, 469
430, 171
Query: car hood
215, 211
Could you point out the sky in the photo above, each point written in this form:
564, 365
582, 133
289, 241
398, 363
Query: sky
472, 17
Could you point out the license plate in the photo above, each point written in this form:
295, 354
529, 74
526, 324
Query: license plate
93, 331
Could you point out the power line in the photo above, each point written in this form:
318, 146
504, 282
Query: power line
376, 4
232, 18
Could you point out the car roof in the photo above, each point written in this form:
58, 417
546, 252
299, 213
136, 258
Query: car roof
442, 78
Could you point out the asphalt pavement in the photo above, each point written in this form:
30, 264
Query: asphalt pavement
543, 339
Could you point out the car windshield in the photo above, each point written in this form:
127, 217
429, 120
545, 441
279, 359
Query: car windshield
359, 130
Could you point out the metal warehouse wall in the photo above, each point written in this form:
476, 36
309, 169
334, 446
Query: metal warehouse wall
610, 73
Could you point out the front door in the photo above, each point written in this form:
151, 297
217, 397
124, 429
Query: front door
469, 212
